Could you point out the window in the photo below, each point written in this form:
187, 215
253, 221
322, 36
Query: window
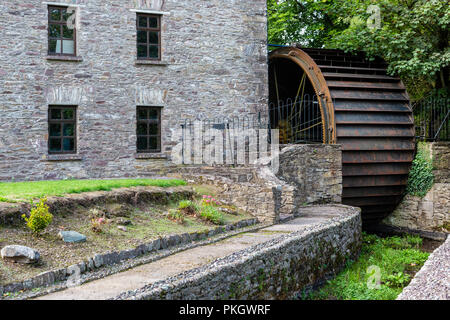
61, 35
62, 126
148, 129
148, 37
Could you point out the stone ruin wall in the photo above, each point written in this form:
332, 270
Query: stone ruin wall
308, 174
432, 212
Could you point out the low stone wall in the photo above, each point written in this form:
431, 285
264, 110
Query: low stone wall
314, 170
308, 174
432, 212
276, 269
253, 189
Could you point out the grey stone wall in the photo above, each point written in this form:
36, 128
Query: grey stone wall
314, 170
247, 188
308, 174
273, 270
441, 161
214, 63
432, 212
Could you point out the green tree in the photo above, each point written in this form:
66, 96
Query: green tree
413, 36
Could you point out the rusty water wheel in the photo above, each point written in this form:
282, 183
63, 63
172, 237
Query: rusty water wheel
363, 109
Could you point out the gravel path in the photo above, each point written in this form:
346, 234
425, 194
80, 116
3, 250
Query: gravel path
432, 282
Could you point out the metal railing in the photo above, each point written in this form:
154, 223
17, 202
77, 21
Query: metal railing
432, 119
299, 121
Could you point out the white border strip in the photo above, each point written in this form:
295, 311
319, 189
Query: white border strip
62, 4
150, 11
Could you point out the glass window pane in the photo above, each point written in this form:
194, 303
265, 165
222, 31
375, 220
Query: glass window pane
142, 114
153, 22
68, 47
142, 51
54, 31
68, 144
55, 113
153, 143
68, 129
67, 32
58, 46
142, 22
153, 114
55, 145
55, 14
52, 46
55, 130
153, 128
142, 143
142, 129
153, 52
68, 113
66, 15
142, 36
153, 37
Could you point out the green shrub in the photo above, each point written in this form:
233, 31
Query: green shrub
176, 215
421, 176
414, 241
397, 280
188, 207
211, 214
39, 218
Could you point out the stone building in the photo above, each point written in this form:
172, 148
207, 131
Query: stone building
94, 89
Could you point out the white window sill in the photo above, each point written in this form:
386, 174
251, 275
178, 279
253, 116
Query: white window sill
151, 63
62, 157
144, 156
65, 58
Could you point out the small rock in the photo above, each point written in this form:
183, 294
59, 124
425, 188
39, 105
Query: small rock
71, 236
123, 222
20, 254
122, 228
98, 260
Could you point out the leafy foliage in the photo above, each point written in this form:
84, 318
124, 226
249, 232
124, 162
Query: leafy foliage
207, 209
176, 215
421, 176
413, 36
395, 256
212, 214
40, 217
397, 280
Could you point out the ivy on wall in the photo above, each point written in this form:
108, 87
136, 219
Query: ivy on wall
421, 176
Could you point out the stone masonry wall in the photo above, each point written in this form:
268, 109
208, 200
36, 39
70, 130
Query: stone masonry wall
214, 62
315, 170
276, 269
308, 174
432, 212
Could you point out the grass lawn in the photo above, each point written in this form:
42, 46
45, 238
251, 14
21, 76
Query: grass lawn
398, 258
17, 191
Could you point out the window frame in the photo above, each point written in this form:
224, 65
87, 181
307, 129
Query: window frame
62, 121
148, 29
149, 121
61, 23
